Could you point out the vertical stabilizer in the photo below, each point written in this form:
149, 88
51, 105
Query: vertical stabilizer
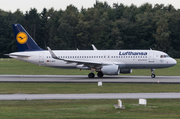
24, 41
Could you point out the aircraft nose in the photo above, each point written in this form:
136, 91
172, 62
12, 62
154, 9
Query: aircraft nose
173, 62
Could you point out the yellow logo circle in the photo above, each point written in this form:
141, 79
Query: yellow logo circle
21, 37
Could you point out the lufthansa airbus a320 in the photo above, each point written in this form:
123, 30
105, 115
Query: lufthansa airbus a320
104, 62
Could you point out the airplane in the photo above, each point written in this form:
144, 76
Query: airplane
104, 62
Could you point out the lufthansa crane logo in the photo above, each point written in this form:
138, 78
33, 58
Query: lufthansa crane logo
21, 37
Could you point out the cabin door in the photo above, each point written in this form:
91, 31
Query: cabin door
151, 57
41, 58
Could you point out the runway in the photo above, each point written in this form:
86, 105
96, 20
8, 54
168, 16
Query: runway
91, 96
85, 79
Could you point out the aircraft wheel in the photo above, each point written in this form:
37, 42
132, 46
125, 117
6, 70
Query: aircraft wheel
153, 75
91, 75
100, 74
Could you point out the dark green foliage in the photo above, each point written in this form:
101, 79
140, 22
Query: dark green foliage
117, 27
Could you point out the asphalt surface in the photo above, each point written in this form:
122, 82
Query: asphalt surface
91, 96
85, 79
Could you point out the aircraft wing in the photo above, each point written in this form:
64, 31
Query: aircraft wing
76, 61
90, 64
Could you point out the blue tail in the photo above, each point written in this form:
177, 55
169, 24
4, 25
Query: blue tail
24, 41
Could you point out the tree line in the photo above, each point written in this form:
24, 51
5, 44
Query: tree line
117, 27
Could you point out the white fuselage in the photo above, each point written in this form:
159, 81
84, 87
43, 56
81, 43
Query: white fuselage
126, 59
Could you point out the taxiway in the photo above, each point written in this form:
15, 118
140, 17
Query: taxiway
91, 96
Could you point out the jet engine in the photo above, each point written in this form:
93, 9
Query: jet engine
126, 71
111, 69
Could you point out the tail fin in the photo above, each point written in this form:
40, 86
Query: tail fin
24, 41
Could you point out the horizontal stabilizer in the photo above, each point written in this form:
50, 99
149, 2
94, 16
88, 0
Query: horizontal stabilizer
18, 55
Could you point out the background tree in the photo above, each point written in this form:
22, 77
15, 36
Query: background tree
116, 27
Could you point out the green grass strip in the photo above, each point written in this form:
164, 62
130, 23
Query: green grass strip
85, 109
68, 88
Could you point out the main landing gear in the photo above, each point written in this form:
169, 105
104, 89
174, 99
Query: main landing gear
99, 74
91, 75
152, 73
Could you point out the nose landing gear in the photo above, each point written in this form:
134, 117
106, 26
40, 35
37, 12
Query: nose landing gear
152, 73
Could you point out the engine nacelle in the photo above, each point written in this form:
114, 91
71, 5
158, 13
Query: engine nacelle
111, 69
126, 71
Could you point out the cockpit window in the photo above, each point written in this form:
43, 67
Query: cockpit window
164, 56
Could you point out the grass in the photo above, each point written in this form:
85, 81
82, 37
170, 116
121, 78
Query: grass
97, 109
13, 66
79, 88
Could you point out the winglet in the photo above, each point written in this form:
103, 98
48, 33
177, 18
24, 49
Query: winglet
94, 47
52, 53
